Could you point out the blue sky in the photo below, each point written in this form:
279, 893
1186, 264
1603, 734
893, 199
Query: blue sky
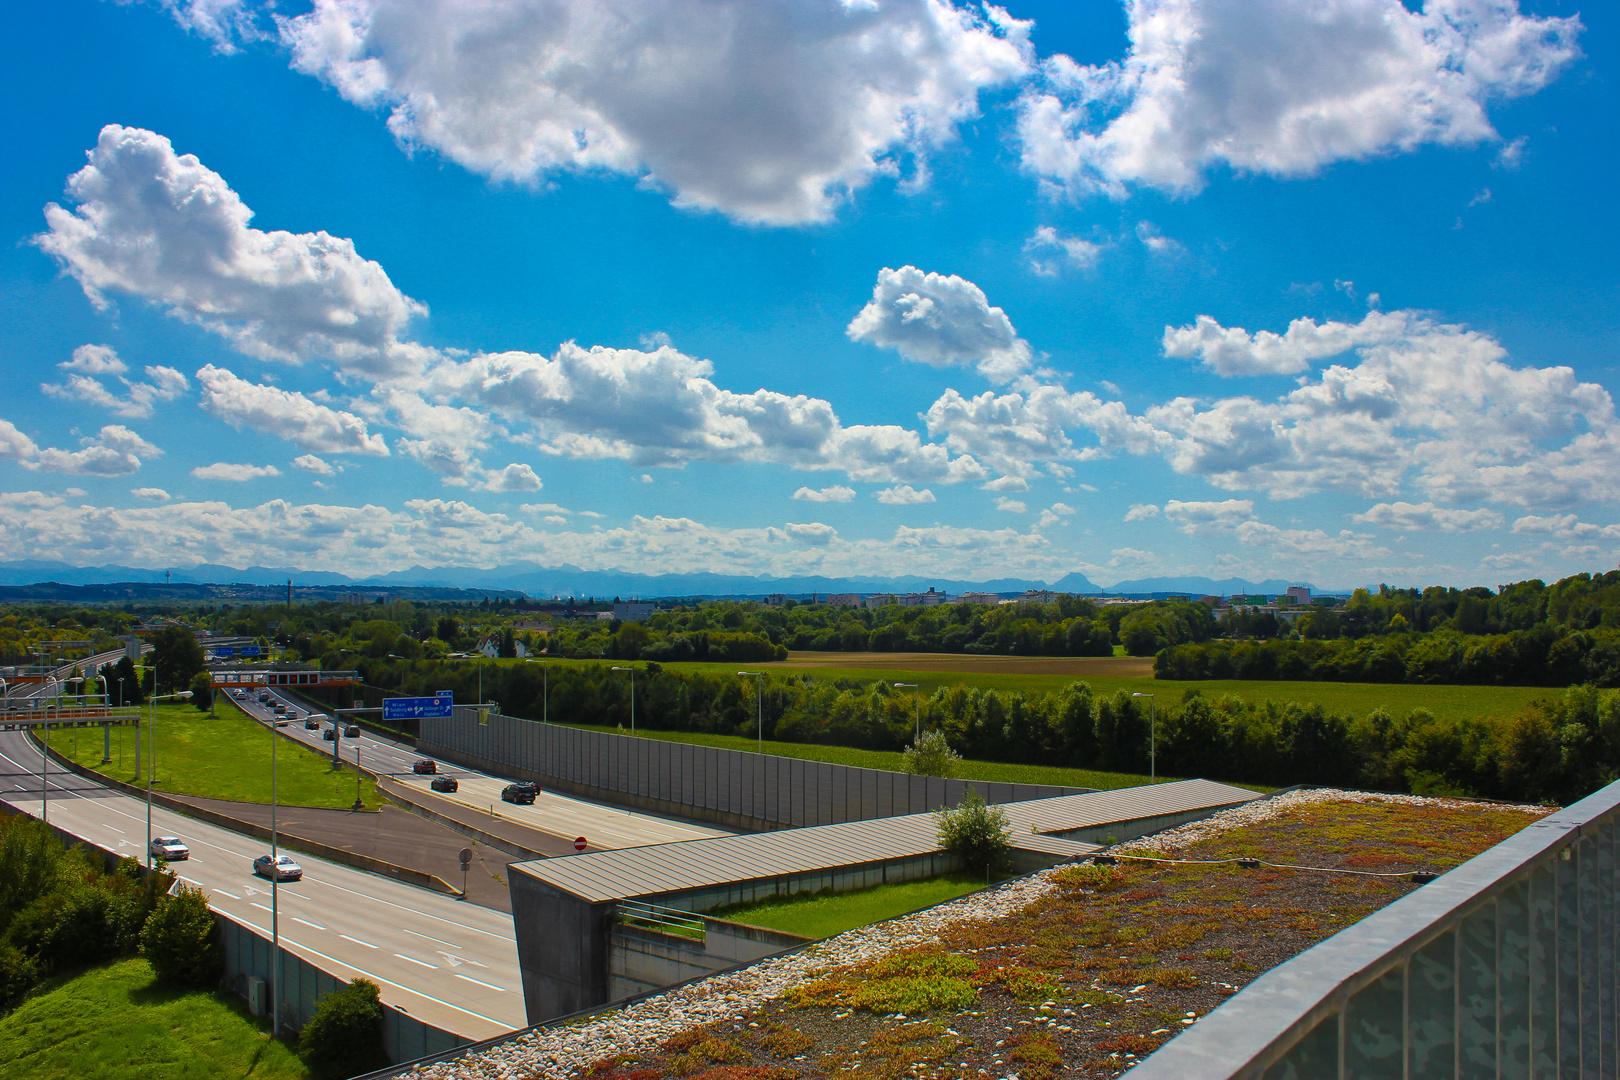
1223, 287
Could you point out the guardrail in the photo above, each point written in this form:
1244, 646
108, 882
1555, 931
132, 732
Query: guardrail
668, 920
1507, 966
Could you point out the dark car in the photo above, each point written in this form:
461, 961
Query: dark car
424, 765
443, 783
352, 731
310, 723
330, 734
284, 868
522, 793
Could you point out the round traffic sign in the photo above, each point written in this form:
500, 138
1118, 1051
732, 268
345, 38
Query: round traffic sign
579, 843
466, 857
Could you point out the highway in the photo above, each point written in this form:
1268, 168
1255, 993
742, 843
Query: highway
449, 964
603, 827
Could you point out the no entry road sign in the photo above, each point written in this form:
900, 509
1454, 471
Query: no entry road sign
579, 843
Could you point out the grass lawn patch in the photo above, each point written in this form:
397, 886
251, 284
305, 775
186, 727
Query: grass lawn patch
892, 760
222, 757
1104, 965
822, 916
115, 1022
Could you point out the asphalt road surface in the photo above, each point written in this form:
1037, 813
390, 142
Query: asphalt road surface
603, 827
448, 963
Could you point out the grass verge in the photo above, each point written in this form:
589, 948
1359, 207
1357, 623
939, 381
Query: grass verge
990, 771
222, 757
821, 916
116, 1022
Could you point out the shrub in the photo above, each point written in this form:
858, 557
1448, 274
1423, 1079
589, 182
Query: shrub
977, 832
181, 940
18, 974
931, 755
344, 1037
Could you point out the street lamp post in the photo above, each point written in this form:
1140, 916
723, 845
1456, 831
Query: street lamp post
1153, 738
151, 723
917, 734
759, 687
106, 729
632, 672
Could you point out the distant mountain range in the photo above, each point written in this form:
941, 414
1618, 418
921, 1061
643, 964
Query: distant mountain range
540, 582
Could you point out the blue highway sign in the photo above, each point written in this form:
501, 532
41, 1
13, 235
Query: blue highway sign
414, 708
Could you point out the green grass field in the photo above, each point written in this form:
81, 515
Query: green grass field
1445, 702
223, 757
824, 916
891, 760
115, 1022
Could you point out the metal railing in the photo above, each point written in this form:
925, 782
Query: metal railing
1505, 967
668, 920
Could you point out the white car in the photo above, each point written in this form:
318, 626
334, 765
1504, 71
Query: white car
169, 848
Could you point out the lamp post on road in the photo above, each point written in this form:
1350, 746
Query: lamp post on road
1153, 738
632, 672
759, 724
917, 733
151, 723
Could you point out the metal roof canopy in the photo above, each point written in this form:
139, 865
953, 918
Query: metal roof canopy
602, 876
244, 677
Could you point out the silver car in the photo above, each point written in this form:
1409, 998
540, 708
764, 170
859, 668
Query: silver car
169, 848
281, 868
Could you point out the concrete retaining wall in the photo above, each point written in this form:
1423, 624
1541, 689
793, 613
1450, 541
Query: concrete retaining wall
641, 960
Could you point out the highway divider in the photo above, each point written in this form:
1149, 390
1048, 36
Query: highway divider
406, 874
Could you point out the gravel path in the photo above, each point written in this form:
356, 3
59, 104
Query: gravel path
561, 1053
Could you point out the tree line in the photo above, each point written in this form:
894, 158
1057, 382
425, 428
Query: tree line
1552, 751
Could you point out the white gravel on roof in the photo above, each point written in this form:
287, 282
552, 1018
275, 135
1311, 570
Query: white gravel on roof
564, 1052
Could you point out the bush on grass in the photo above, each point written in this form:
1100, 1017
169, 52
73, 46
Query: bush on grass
344, 1037
181, 940
931, 755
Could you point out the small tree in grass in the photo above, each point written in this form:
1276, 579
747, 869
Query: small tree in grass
931, 755
181, 940
977, 832
344, 1037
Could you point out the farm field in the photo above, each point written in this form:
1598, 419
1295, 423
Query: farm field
1107, 675
117, 1021
824, 916
221, 757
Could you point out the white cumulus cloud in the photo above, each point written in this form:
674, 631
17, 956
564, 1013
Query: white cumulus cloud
150, 223
943, 320
1198, 517
165, 383
311, 463
222, 470
285, 413
1427, 516
1234, 351
836, 493
812, 533
769, 111
151, 494
1010, 505
904, 495
1049, 251
114, 451
1141, 512
1281, 87
515, 477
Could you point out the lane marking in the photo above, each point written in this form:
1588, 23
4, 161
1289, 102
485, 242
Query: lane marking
357, 941
441, 941
306, 922
260, 906
288, 943
414, 960
481, 982
232, 895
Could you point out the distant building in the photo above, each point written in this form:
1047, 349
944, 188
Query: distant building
877, 600
1212, 601
776, 599
922, 599
491, 647
1179, 599
979, 598
1040, 596
1299, 594
635, 611
844, 600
